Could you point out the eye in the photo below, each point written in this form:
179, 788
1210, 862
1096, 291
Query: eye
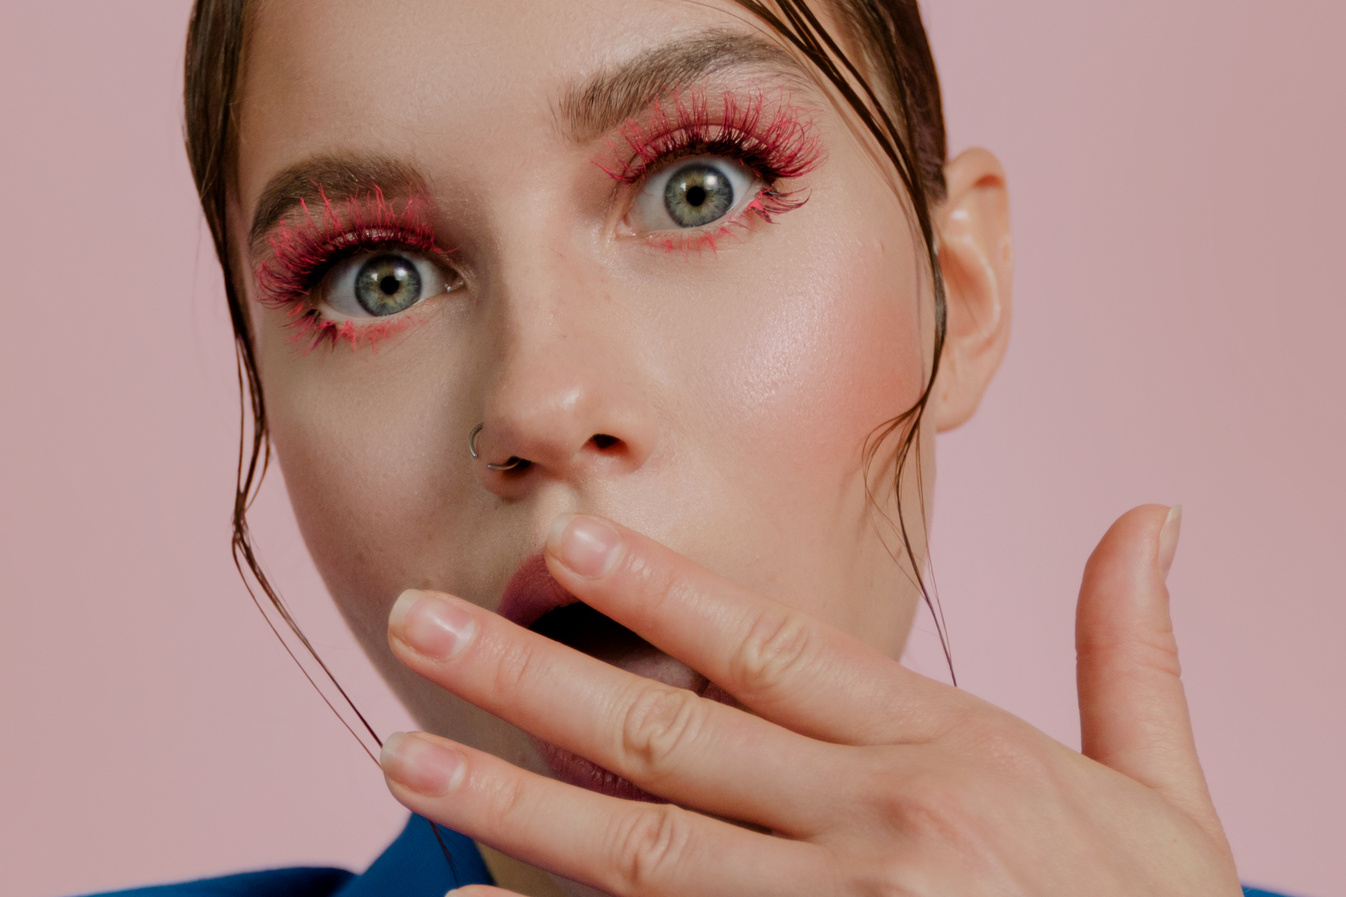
383, 283
693, 192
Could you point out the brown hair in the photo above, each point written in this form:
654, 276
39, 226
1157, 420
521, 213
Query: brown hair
902, 113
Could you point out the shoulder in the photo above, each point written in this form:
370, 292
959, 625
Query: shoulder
297, 882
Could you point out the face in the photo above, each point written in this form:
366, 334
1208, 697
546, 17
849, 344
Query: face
636, 242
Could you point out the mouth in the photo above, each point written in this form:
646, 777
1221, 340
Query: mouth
536, 601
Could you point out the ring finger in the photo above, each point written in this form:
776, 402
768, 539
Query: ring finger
621, 847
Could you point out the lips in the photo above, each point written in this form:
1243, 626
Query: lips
532, 592
536, 601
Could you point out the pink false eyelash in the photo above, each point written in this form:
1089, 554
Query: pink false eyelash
302, 252
778, 143
312, 328
781, 145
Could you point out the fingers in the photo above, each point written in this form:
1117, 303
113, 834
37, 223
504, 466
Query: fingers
779, 662
1133, 711
666, 740
620, 847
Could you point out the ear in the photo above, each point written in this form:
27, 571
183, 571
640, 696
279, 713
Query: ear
977, 259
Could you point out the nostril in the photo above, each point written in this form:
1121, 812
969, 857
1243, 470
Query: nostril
603, 440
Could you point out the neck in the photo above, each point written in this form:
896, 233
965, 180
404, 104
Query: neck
519, 877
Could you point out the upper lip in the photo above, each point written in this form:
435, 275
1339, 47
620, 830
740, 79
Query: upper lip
532, 592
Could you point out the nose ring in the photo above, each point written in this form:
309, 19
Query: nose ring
513, 462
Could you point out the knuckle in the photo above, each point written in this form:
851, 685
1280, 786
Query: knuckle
1159, 652
505, 799
658, 725
885, 881
649, 843
930, 804
514, 667
656, 582
1007, 754
778, 644
889, 874
1155, 651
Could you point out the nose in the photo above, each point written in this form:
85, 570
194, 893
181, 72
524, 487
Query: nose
564, 399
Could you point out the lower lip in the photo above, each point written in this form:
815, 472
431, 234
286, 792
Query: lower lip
573, 769
569, 767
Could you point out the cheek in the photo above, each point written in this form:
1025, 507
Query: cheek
791, 377
363, 441
838, 357
827, 348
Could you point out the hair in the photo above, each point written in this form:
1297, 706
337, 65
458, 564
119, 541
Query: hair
902, 112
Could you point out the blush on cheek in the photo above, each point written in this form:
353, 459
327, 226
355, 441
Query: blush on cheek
831, 352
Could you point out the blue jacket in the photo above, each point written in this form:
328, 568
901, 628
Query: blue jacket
413, 866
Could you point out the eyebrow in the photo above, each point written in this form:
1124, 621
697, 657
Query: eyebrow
586, 109
613, 95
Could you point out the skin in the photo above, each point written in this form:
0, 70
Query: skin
734, 391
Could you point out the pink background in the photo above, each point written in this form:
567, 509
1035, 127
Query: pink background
1177, 170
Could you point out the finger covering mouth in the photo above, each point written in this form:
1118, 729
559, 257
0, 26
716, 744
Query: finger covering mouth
535, 600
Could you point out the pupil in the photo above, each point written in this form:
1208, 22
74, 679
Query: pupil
696, 196
387, 284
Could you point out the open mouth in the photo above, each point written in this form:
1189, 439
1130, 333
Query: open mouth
581, 627
535, 600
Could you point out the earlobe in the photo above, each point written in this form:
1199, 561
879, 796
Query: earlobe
977, 261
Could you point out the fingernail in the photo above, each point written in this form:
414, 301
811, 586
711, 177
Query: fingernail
1168, 539
584, 544
421, 765
431, 623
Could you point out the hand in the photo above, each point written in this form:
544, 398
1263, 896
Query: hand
855, 775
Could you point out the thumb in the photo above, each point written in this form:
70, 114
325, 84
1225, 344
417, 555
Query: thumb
1133, 712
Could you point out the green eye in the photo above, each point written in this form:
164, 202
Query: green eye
698, 194
382, 283
387, 284
692, 193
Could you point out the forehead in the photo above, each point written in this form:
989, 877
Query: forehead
392, 76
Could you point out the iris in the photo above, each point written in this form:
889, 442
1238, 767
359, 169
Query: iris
387, 284
698, 194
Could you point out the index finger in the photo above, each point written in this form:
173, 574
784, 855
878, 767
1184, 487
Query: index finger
778, 661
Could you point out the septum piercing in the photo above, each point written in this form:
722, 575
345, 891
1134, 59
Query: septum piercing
511, 463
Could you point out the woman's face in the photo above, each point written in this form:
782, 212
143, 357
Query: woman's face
635, 241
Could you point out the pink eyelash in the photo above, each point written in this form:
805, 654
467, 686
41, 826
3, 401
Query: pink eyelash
303, 251
778, 144
310, 326
783, 147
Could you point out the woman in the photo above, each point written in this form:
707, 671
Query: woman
624, 349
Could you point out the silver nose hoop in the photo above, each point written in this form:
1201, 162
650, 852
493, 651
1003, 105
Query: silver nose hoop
513, 462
